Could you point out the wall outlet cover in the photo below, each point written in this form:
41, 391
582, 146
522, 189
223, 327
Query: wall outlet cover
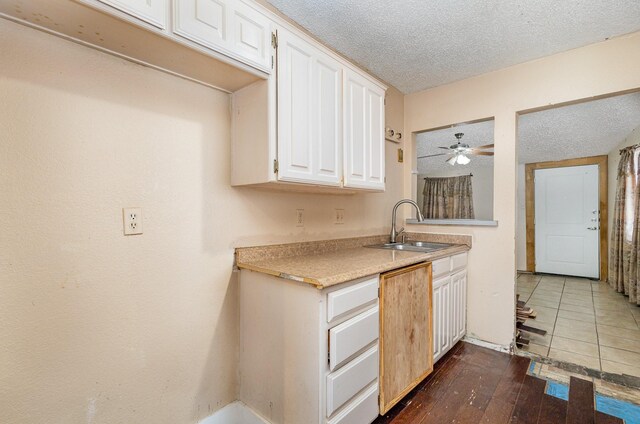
132, 221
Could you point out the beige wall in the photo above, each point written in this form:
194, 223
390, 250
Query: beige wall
102, 328
595, 70
614, 160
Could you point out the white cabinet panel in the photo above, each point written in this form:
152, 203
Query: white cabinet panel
327, 120
354, 130
204, 21
345, 383
251, 34
309, 111
442, 340
295, 67
363, 409
441, 267
374, 141
150, 11
458, 305
363, 133
341, 301
350, 337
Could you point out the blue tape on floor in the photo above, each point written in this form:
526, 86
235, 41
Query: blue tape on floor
531, 367
629, 412
558, 390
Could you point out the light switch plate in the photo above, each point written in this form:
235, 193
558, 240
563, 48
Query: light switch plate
132, 220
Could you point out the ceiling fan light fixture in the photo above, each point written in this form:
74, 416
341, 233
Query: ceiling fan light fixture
452, 161
463, 160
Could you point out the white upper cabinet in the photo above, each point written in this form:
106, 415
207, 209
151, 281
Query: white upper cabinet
150, 11
363, 133
205, 22
309, 113
251, 34
229, 26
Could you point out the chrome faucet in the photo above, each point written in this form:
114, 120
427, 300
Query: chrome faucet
395, 233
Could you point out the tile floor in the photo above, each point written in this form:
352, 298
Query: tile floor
587, 323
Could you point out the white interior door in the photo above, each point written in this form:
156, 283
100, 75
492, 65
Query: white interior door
567, 224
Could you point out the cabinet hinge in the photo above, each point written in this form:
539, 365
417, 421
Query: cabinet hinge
274, 39
276, 166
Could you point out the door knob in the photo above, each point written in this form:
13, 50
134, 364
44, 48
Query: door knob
592, 228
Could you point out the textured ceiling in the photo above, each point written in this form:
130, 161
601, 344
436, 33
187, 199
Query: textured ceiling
418, 44
585, 129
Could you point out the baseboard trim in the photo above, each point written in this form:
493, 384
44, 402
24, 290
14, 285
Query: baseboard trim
235, 413
488, 345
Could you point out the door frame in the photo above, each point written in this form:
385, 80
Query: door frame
603, 193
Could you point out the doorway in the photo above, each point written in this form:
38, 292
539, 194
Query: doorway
567, 217
569, 162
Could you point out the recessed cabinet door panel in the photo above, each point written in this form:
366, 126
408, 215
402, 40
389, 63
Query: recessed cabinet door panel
375, 138
458, 305
327, 119
150, 11
295, 76
203, 21
363, 132
354, 131
251, 35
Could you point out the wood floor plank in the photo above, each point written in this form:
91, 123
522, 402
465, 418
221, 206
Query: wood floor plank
504, 398
607, 419
527, 408
580, 409
552, 410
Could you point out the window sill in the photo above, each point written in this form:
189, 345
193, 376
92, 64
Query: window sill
459, 222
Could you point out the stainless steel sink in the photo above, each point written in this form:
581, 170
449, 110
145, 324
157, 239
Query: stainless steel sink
412, 246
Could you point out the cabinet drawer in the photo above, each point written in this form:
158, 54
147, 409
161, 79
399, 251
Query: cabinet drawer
362, 410
345, 300
441, 267
343, 384
459, 261
348, 338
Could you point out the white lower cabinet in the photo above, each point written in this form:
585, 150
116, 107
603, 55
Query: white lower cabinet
449, 303
309, 355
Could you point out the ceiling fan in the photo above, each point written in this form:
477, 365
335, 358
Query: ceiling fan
459, 152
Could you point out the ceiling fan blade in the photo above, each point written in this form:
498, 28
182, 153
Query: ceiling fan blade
445, 148
480, 153
430, 156
486, 146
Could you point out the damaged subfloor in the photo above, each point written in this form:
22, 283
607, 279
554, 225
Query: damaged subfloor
472, 384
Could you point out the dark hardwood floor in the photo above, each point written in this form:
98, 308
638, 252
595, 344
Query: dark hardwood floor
473, 385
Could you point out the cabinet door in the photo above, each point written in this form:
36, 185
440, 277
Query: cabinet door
405, 332
308, 113
251, 35
363, 133
458, 305
205, 22
150, 11
441, 317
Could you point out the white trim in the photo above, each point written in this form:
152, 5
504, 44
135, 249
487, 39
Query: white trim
488, 345
235, 413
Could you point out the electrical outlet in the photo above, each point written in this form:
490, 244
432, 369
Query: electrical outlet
132, 219
299, 217
339, 216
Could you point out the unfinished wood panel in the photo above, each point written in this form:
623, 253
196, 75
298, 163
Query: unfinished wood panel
405, 332
602, 162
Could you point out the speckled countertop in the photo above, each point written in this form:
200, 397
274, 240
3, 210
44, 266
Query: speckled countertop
324, 266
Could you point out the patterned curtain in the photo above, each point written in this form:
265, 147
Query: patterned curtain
448, 198
625, 234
